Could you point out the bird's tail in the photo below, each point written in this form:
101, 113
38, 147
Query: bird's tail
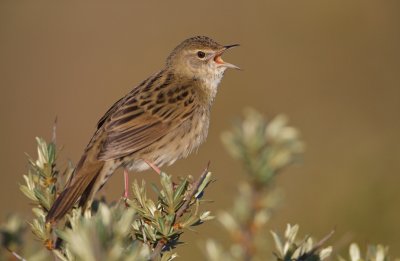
83, 186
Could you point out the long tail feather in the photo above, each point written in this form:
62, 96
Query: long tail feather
83, 183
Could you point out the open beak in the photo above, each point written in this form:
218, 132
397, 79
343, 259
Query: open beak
218, 60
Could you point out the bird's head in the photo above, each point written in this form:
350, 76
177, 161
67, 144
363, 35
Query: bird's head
199, 58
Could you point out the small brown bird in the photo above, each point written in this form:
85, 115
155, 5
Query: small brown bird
161, 120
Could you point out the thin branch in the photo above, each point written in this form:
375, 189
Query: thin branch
322, 241
157, 250
54, 130
16, 255
196, 186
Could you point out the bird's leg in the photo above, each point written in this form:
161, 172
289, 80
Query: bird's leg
156, 169
153, 166
126, 184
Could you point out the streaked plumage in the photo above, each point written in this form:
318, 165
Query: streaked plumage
161, 120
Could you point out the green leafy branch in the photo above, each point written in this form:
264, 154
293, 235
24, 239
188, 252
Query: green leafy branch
140, 228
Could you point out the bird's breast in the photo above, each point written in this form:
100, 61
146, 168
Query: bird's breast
176, 144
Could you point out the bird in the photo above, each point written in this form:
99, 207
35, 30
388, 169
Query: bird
161, 120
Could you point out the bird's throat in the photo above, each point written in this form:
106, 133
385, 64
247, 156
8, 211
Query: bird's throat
209, 86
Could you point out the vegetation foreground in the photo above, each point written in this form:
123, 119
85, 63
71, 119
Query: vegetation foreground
150, 228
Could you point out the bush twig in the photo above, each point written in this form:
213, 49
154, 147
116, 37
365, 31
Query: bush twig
161, 243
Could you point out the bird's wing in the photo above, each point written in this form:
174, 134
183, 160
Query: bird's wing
118, 103
145, 115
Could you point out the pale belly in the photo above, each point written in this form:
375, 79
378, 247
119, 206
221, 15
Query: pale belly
177, 144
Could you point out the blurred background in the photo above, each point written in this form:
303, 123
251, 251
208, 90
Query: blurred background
332, 66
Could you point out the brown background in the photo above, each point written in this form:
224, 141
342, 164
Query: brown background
332, 66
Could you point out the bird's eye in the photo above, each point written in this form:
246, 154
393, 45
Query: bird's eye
201, 54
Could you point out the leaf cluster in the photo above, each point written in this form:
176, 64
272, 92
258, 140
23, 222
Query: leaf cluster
163, 220
139, 228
